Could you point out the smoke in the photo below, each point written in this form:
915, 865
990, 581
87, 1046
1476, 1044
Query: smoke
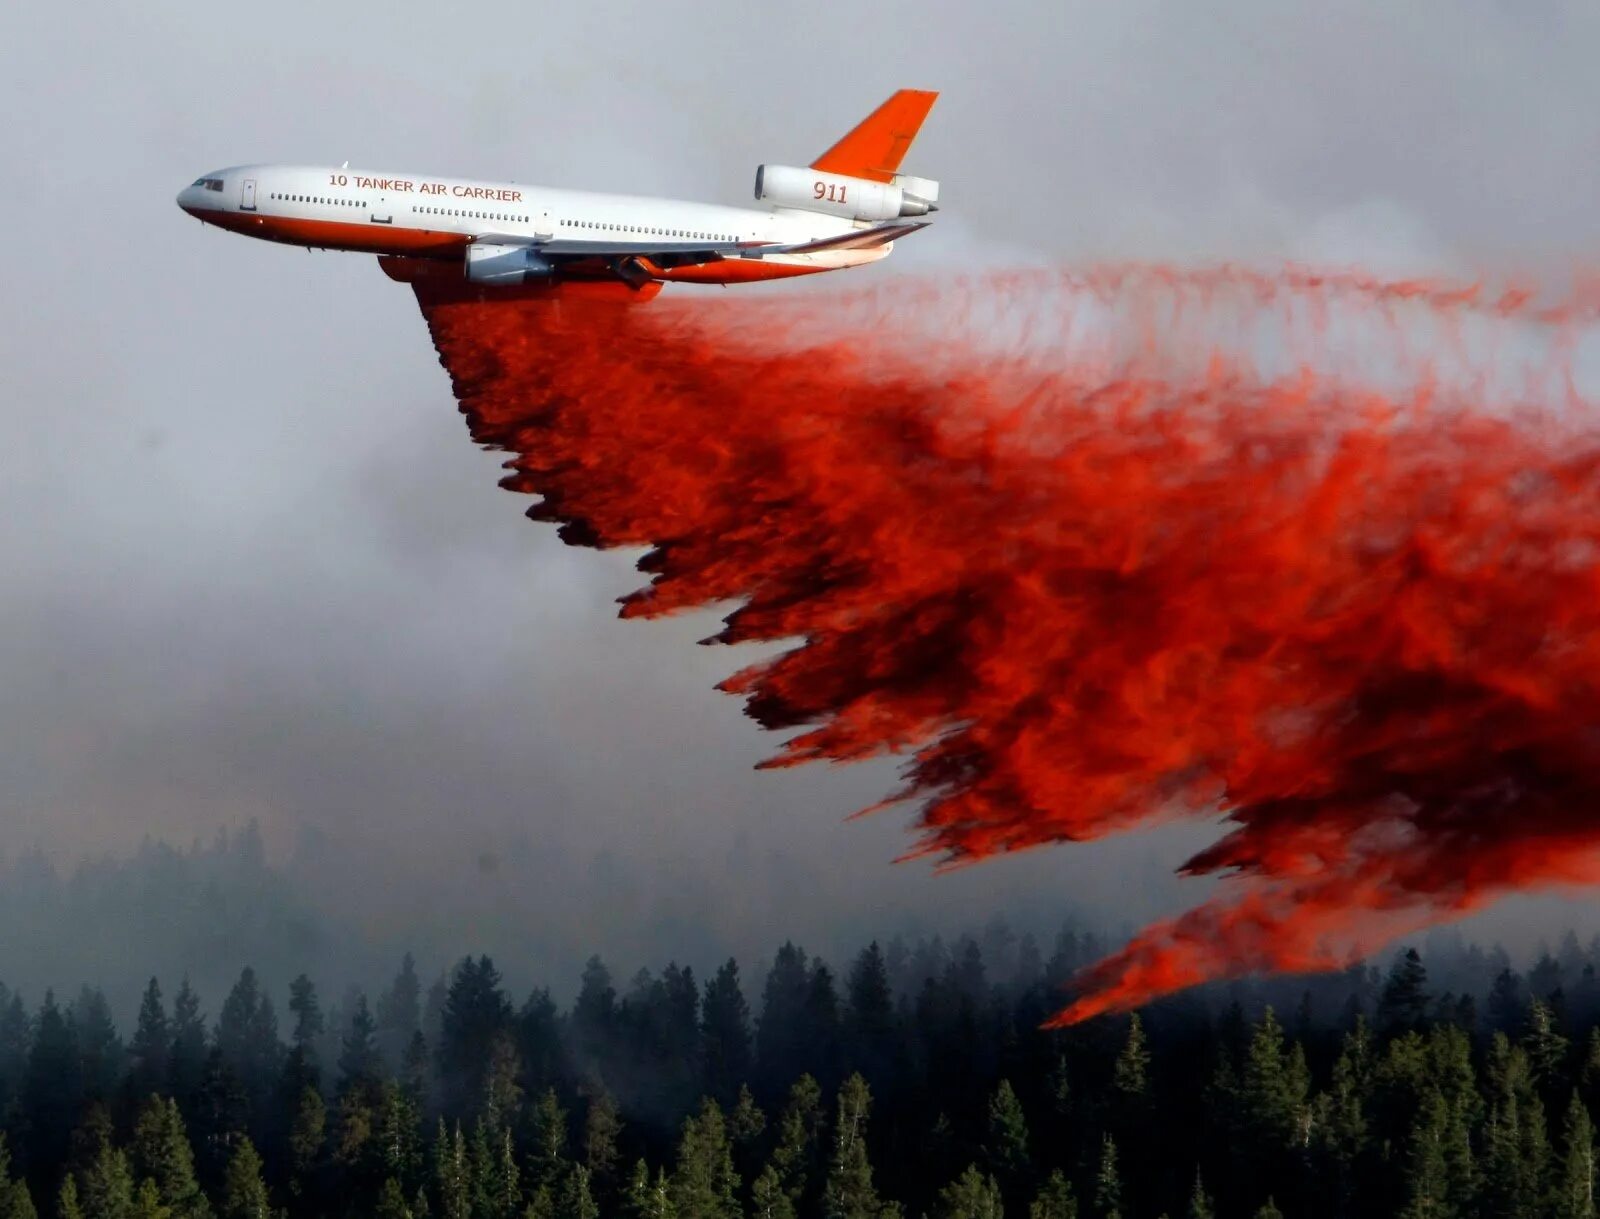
1317, 554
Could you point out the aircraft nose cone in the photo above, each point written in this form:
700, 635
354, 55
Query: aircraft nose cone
186, 200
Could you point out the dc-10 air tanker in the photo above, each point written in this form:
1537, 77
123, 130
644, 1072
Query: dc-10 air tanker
844, 210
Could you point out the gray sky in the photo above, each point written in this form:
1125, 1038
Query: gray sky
254, 568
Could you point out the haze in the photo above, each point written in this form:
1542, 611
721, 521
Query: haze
255, 570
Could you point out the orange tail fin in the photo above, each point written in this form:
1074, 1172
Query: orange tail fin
878, 143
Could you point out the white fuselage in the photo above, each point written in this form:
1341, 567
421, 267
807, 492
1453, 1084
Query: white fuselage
428, 216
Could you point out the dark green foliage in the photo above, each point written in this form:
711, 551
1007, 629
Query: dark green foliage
1404, 1002
400, 1013
849, 1192
704, 1183
244, 1193
186, 1065
150, 1051
307, 1013
476, 1012
160, 1155
725, 1035
1575, 1190
360, 1065
946, 1098
970, 1196
1006, 1145
52, 1091
1108, 1182
1055, 1199
15, 1200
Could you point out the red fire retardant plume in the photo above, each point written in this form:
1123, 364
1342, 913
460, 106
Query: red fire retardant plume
1321, 555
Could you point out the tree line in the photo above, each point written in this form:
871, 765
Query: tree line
917, 1083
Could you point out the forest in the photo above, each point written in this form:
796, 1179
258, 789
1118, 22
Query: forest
915, 1081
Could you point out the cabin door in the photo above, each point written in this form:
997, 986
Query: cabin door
247, 201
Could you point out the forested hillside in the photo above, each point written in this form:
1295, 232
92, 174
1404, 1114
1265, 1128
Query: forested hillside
916, 1081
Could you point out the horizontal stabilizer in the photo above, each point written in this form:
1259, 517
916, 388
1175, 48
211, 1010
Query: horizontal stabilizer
861, 239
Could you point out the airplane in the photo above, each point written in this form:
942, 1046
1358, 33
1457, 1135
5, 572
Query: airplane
846, 209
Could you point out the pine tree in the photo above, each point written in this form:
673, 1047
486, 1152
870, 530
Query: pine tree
499, 1181
1273, 1091
247, 1036
602, 1126
147, 1203
970, 1196
547, 1154
307, 1012
15, 1201
1545, 1047
703, 1183
476, 1012
576, 1201
100, 1049
541, 1204
1054, 1199
67, 1201
1269, 1210
594, 1014
795, 1157
400, 1013
150, 1051
105, 1186
1006, 1144
1107, 1182
360, 1065
767, 1199
1589, 1071
725, 1034
647, 1198
399, 1136
781, 1037
1427, 1186
1200, 1205
392, 1202
1507, 1005
16, 1039
51, 1092
746, 1125
187, 1062
1404, 1002
244, 1193
161, 1156
307, 1138
849, 1192
1130, 1075
452, 1177
869, 1015
1576, 1197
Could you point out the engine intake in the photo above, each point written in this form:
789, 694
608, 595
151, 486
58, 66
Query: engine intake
811, 190
506, 265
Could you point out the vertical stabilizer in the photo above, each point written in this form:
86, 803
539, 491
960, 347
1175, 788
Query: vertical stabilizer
878, 143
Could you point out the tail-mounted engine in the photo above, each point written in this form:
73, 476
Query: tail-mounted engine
854, 198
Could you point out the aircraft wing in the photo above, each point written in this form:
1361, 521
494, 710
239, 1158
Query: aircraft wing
662, 253
860, 239
625, 257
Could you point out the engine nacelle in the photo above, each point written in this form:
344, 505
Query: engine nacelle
811, 190
507, 265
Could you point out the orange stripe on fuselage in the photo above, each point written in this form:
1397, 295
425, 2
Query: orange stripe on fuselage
382, 239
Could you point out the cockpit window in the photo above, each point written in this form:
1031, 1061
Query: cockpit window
209, 183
